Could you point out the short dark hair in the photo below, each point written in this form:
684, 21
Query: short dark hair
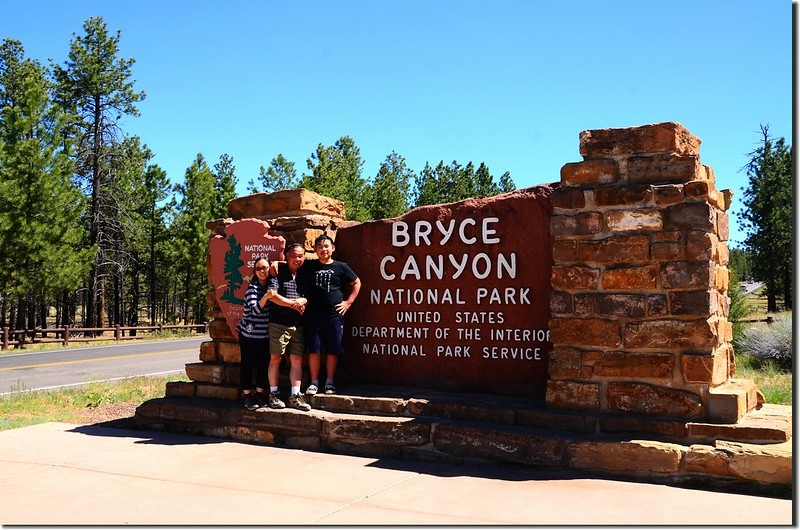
293, 246
322, 238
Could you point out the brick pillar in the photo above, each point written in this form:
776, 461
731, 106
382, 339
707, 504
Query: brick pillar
639, 303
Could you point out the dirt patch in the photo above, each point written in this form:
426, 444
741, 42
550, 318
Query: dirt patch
113, 414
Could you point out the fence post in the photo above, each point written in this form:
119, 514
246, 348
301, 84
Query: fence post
5, 338
117, 333
66, 336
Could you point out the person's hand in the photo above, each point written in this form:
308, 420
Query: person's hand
342, 307
273, 268
299, 305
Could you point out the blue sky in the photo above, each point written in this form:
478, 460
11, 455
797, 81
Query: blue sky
507, 82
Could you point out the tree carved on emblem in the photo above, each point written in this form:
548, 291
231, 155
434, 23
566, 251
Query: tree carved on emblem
233, 262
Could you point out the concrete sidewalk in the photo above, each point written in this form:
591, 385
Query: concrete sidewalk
57, 473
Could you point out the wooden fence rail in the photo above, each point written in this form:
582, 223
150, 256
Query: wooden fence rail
20, 337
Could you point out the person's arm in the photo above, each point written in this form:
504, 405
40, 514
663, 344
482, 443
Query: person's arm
355, 287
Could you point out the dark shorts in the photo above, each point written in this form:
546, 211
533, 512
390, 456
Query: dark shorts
324, 335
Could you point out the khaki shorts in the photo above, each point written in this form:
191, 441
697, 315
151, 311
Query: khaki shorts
286, 339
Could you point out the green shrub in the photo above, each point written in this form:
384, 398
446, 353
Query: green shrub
769, 343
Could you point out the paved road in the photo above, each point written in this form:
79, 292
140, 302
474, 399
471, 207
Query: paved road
78, 366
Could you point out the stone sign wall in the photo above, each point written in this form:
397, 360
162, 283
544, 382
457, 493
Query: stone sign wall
605, 292
454, 297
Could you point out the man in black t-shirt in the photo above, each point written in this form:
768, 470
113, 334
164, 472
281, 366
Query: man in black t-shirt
327, 282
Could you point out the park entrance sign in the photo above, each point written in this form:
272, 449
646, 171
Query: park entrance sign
454, 297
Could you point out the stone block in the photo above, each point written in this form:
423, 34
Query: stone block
590, 173
771, 465
657, 305
699, 189
629, 423
565, 250
356, 404
698, 302
666, 137
700, 245
218, 329
634, 220
620, 305
667, 251
560, 303
182, 410
727, 198
204, 390
670, 333
393, 431
637, 365
652, 399
668, 194
208, 351
499, 414
574, 278
300, 201
633, 250
575, 225
583, 304
516, 446
722, 278
206, 372
179, 389
568, 199
730, 401
663, 168
723, 226
573, 395
564, 362
229, 352
631, 196
635, 457
709, 369
630, 278
692, 216
674, 236
687, 275
706, 459
585, 331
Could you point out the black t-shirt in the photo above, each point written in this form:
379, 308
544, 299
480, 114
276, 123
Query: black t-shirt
325, 285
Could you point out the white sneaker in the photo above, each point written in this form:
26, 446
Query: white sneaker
312, 390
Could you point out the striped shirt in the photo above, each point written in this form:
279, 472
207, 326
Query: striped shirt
255, 320
291, 287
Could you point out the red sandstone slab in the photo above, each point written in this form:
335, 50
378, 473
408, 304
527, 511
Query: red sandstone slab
454, 297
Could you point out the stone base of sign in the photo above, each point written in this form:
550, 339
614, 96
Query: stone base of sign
751, 455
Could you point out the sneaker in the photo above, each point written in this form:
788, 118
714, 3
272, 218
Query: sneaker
275, 401
330, 389
312, 390
250, 402
261, 399
297, 402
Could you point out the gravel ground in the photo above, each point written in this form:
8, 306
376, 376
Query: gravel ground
118, 413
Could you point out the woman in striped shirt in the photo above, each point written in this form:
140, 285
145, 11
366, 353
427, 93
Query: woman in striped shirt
253, 337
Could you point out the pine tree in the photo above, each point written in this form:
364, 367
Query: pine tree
336, 173
224, 184
280, 175
767, 217
94, 87
41, 240
391, 188
196, 203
